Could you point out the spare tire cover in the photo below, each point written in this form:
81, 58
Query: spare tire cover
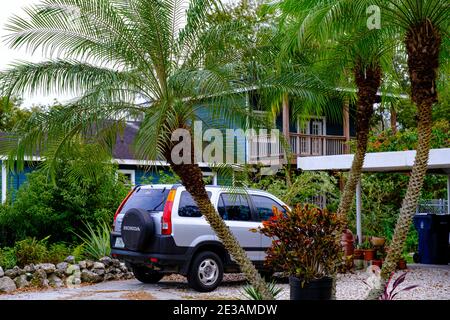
137, 229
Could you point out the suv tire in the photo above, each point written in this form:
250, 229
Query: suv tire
146, 275
137, 229
206, 272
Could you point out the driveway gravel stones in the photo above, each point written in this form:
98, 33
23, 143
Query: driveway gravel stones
433, 282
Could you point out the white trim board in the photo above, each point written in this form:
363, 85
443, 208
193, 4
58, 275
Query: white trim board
376, 161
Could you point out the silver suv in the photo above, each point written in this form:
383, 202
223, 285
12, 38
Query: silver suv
159, 230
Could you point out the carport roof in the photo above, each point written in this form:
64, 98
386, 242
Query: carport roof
396, 161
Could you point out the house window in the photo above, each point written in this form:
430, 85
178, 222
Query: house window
130, 176
210, 178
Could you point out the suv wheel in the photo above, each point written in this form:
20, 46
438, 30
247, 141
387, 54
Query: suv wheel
206, 272
146, 275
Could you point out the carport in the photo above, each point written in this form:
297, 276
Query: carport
397, 161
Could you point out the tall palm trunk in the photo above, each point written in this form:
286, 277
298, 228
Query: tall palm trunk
423, 43
192, 179
368, 81
393, 120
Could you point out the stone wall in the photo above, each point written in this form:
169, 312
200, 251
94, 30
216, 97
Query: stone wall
64, 274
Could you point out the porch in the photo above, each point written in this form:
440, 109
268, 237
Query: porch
309, 136
262, 148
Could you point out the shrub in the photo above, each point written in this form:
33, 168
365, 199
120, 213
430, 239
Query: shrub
31, 250
78, 252
304, 188
305, 242
96, 241
7, 258
254, 294
42, 207
57, 252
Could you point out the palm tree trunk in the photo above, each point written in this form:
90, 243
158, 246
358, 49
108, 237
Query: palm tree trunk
192, 179
393, 120
423, 43
368, 81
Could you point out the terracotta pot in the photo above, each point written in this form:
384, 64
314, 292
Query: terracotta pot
358, 254
401, 264
369, 254
377, 262
378, 241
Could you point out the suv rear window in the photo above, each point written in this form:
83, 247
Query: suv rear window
147, 199
188, 207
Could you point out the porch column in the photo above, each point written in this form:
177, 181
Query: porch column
358, 212
346, 124
4, 181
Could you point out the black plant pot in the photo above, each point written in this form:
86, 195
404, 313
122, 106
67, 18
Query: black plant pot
320, 289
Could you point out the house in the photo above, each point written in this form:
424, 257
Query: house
311, 136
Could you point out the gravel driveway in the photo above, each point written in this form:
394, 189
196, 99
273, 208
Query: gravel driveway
433, 281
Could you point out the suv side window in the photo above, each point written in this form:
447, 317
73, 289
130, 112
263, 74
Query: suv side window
188, 207
234, 207
264, 206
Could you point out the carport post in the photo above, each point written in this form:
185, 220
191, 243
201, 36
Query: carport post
358, 212
448, 193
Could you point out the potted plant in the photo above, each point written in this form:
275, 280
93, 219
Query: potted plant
368, 251
358, 253
401, 263
306, 245
378, 242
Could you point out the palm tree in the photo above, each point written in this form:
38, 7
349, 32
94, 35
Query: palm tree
425, 25
147, 58
347, 50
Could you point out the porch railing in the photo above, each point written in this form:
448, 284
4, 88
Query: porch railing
262, 147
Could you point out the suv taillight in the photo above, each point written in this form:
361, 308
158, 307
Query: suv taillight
122, 204
166, 219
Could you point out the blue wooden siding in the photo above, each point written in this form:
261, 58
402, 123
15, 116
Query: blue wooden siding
15, 180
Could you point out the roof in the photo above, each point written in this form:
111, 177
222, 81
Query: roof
438, 162
122, 151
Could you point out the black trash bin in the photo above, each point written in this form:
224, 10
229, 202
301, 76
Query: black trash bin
433, 232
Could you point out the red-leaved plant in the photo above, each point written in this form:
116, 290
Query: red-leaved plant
305, 242
390, 295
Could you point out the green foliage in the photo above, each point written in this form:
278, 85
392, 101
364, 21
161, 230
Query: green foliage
11, 113
78, 252
382, 195
57, 252
31, 250
163, 177
407, 139
304, 187
305, 242
253, 294
7, 258
365, 245
96, 241
42, 207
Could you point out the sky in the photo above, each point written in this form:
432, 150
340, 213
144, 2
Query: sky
7, 56
9, 8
